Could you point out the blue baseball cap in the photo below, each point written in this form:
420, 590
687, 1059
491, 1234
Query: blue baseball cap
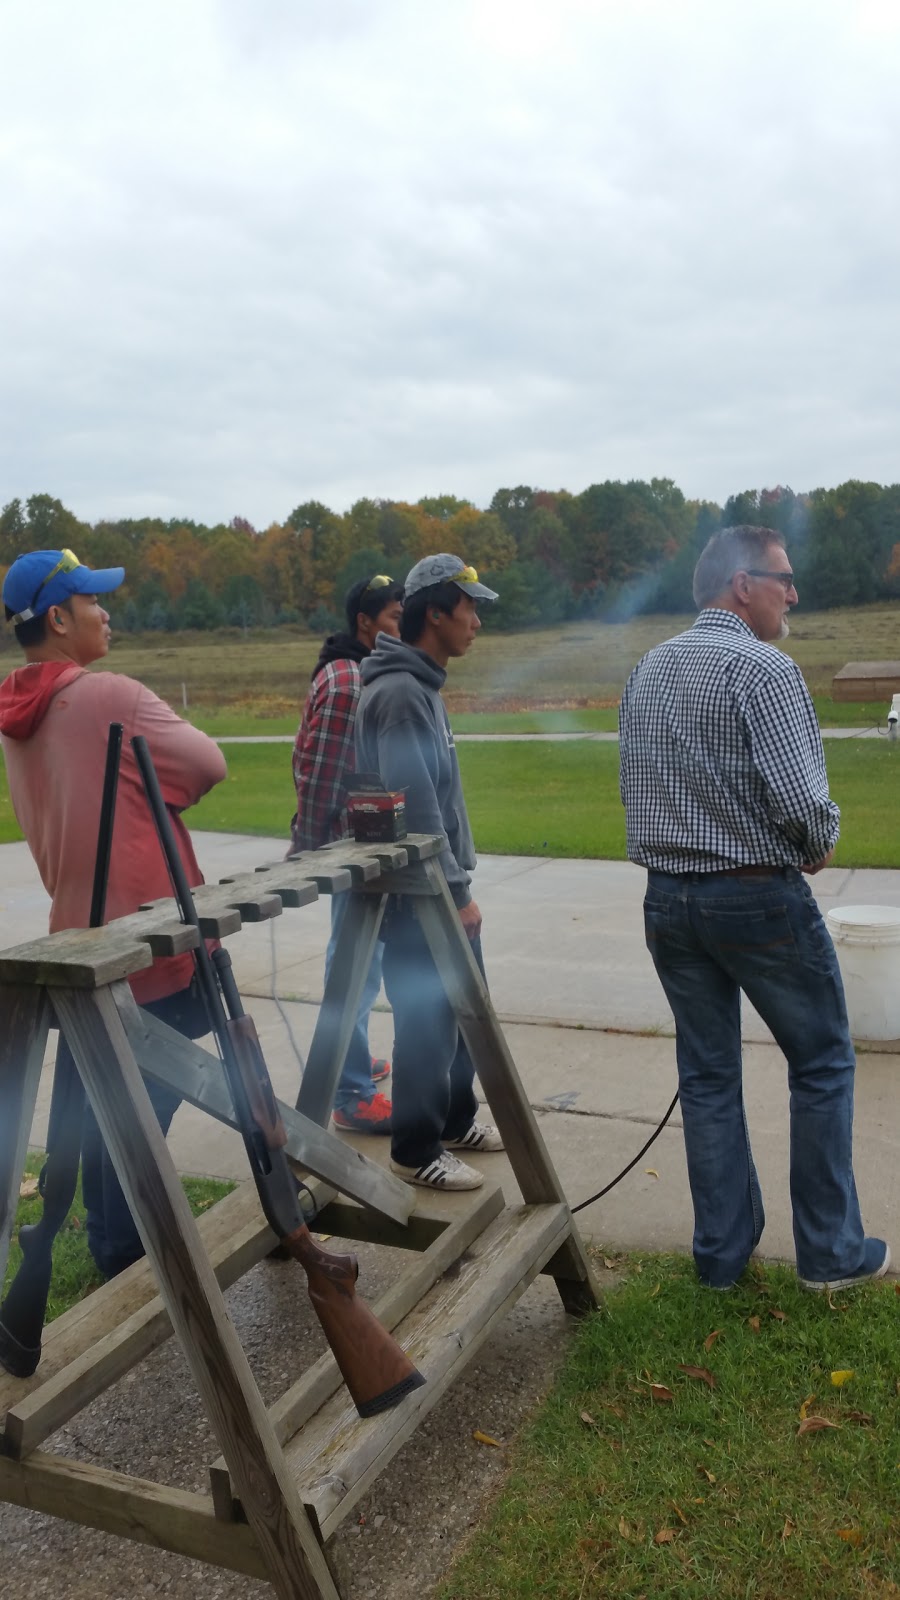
46, 578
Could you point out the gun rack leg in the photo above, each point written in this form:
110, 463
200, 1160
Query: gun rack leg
525, 1148
24, 1024
340, 1004
294, 1561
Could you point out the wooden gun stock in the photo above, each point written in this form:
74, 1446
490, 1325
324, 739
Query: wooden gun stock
376, 1371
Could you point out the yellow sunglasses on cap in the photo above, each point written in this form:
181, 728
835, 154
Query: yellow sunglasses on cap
380, 581
466, 575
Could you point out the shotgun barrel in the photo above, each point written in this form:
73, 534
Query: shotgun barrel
377, 1372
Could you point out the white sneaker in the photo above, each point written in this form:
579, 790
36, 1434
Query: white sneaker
481, 1136
445, 1172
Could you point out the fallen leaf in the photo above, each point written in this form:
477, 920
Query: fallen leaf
789, 1527
710, 1442
323, 1237
651, 1172
617, 1411
842, 1376
711, 1338
587, 1419
612, 1262
709, 1476
74, 1222
778, 1315
658, 1391
654, 1292
703, 1373
485, 1438
28, 1187
754, 1323
678, 1512
815, 1425
665, 1536
861, 1417
805, 1406
850, 1535
624, 1528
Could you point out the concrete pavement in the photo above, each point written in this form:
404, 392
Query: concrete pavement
587, 1025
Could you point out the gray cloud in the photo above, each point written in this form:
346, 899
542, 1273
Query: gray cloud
257, 254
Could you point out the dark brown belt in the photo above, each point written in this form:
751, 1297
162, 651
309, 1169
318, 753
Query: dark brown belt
748, 872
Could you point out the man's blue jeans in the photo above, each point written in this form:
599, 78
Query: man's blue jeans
433, 1095
355, 1082
712, 935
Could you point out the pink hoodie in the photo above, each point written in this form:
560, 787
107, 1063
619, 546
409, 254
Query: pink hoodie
54, 723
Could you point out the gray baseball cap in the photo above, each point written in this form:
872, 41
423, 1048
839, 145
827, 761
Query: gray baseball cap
447, 569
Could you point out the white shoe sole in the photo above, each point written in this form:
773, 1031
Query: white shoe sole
467, 1179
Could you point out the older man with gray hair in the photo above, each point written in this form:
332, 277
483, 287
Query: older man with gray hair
726, 796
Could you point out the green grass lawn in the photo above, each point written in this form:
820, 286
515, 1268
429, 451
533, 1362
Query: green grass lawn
74, 1273
550, 799
705, 1487
573, 719
563, 799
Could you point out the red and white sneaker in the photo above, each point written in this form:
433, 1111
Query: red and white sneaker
381, 1069
365, 1116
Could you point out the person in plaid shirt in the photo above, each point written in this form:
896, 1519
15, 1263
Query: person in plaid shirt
322, 760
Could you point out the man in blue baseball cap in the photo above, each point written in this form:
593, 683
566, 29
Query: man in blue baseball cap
54, 726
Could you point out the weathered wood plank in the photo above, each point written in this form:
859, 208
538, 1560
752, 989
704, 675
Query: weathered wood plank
457, 1220
337, 1456
24, 1025
523, 1140
198, 1077
296, 1566
133, 1508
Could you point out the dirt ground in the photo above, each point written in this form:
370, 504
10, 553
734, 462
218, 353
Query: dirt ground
395, 1545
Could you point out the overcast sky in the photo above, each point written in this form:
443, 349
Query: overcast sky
254, 252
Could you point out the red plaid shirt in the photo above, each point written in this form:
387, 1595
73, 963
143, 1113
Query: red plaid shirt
323, 755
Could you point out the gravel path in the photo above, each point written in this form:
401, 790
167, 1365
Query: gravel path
395, 1545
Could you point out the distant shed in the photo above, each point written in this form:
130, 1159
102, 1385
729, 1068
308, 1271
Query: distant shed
866, 680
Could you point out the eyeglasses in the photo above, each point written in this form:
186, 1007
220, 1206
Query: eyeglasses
67, 562
467, 575
380, 581
786, 579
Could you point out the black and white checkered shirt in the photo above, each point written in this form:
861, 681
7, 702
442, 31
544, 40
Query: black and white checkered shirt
721, 755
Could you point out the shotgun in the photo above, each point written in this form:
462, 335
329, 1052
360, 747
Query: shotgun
25, 1307
376, 1371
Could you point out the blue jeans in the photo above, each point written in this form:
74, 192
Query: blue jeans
113, 1238
433, 1098
712, 935
355, 1082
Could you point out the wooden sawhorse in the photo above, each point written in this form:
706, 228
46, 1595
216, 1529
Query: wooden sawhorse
287, 1475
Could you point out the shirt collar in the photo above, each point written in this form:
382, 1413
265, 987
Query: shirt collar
714, 617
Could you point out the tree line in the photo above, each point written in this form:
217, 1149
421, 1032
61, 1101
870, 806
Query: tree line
613, 551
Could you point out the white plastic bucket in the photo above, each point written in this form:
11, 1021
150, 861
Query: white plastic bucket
867, 940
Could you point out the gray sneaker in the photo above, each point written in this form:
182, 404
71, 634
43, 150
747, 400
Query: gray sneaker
876, 1260
481, 1136
444, 1172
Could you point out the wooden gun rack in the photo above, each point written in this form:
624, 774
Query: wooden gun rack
287, 1475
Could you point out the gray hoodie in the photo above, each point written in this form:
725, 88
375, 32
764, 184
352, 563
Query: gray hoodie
403, 733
